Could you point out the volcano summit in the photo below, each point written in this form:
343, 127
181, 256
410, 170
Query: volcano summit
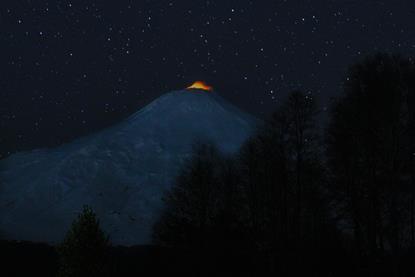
122, 172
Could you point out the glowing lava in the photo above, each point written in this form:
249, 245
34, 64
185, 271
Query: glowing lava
200, 85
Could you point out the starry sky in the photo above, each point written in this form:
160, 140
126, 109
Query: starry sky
71, 67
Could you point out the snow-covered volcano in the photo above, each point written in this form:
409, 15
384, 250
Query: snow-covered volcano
122, 171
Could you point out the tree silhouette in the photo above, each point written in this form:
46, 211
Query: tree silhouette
194, 202
283, 179
368, 144
83, 252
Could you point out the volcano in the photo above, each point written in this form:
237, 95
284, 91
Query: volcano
122, 172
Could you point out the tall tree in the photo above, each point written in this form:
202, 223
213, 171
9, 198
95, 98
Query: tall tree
301, 111
192, 206
368, 145
283, 178
409, 78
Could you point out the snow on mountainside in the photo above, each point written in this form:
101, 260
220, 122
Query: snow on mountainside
122, 171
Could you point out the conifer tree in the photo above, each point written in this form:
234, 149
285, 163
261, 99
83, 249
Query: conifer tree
83, 252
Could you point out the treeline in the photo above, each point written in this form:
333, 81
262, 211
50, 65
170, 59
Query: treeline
298, 199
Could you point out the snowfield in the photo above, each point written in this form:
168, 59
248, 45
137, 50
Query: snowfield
122, 171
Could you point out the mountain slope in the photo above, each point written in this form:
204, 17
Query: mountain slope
122, 171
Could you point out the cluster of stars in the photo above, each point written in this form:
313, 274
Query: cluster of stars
80, 65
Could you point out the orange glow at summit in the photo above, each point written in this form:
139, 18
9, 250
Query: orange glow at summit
200, 85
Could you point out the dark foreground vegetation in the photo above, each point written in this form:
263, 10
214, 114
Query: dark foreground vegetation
298, 199
31, 259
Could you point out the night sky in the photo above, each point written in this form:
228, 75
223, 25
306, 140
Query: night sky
72, 67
